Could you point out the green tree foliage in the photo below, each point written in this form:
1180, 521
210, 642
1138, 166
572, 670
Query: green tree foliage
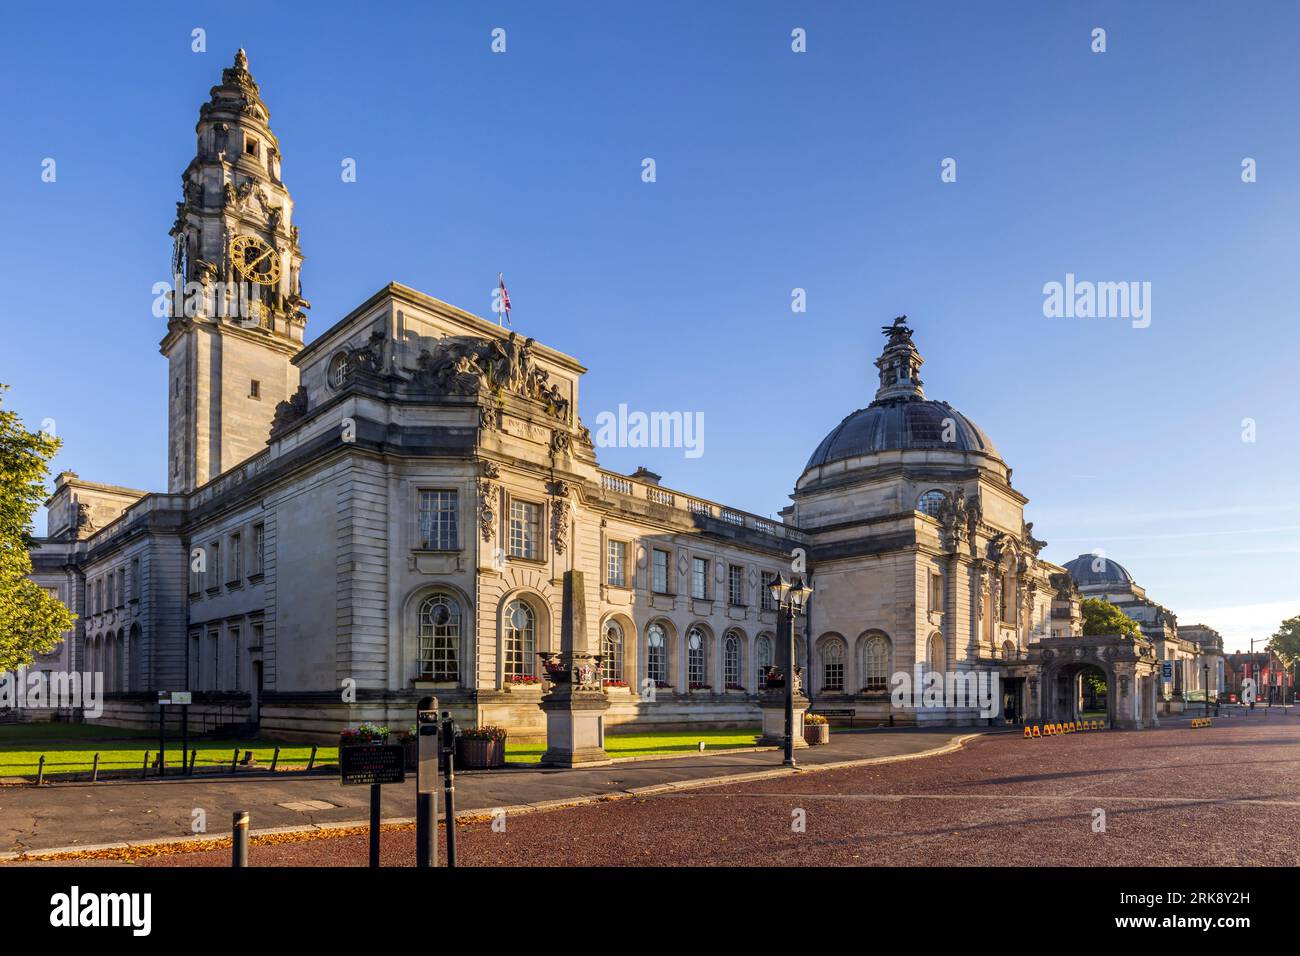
1102, 617
31, 621
1286, 642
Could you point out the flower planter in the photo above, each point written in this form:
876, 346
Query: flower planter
816, 734
480, 754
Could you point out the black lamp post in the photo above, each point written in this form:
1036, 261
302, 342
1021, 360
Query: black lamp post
789, 598
1206, 667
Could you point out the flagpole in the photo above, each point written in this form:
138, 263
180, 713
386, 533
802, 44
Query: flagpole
501, 299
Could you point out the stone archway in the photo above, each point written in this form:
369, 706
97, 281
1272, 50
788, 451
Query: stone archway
1066, 694
1063, 662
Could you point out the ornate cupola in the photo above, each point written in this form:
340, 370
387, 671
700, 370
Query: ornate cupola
899, 365
236, 313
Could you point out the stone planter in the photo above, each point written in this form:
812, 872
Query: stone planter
361, 741
816, 734
480, 754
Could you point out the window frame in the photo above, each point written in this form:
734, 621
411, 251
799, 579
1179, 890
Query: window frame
699, 576
655, 553
450, 642
536, 523
612, 547
443, 516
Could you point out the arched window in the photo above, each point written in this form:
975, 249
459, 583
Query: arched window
656, 654
611, 647
936, 660
875, 664
763, 657
440, 638
697, 670
833, 666
520, 645
339, 367
731, 660
930, 502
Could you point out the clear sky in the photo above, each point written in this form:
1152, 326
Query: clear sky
775, 170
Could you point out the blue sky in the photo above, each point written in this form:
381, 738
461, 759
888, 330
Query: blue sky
775, 170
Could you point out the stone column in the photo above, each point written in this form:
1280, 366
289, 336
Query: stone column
576, 704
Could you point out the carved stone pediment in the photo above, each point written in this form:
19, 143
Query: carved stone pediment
465, 365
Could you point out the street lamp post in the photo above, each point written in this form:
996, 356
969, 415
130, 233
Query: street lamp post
1206, 667
789, 598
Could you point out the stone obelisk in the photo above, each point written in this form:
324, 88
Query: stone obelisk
576, 704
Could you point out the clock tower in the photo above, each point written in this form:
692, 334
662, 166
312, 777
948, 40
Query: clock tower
236, 313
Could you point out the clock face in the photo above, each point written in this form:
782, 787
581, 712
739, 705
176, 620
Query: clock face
255, 259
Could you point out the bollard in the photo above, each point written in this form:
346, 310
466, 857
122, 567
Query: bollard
94, 771
40, 771
194, 756
311, 761
234, 760
144, 770
239, 839
448, 739
275, 758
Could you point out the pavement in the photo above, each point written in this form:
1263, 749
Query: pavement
1228, 794
77, 816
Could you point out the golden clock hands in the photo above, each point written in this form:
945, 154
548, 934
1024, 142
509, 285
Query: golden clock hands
249, 265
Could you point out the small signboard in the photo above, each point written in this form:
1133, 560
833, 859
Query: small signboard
166, 697
1167, 670
372, 764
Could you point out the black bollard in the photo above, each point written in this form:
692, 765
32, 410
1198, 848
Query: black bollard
94, 771
40, 771
311, 761
449, 783
239, 839
374, 824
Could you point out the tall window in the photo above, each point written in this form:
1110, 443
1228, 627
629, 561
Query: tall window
213, 577
520, 640
936, 592
236, 558
656, 657
700, 578
611, 649
121, 586
136, 585
731, 660
232, 641
735, 585
259, 549
525, 525
935, 658
617, 561
212, 666
697, 671
765, 601
875, 664
439, 518
439, 626
833, 666
659, 572
763, 657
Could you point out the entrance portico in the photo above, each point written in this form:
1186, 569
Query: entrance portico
1129, 665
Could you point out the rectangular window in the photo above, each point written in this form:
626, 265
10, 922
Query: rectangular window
256, 638
213, 577
236, 559
765, 601
255, 389
617, 561
525, 529
211, 667
136, 585
700, 578
232, 641
121, 587
936, 592
735, 585
195, 669
439, 524
659, 572
259, 550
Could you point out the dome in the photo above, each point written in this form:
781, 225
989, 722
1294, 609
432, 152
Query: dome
1093, 569
901, 418
900, 424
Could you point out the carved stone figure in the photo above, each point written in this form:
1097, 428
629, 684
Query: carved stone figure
291, 410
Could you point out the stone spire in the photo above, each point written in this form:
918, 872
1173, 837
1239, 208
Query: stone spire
899, 365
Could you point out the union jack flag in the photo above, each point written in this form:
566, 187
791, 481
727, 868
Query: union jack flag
505, 297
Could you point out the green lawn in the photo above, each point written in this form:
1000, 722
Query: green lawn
62, 731
74, 755
644, 745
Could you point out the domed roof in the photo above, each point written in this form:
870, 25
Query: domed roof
900, 424
1093, 569
901, 418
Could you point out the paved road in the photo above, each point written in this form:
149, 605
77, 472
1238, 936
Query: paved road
70, 815
1229, 794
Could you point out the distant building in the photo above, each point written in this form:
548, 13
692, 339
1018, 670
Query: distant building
1274, 683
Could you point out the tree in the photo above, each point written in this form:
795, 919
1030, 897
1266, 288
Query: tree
31, 621
1102, 617
1286, 642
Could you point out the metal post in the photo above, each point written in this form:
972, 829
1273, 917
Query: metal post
785, 619
275, 759
449, 783
185, 737
194, 755
144, 770
311, 761
374, 824
94, 771
239, 839
426, 780
162, 740
40, 771
234, 760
